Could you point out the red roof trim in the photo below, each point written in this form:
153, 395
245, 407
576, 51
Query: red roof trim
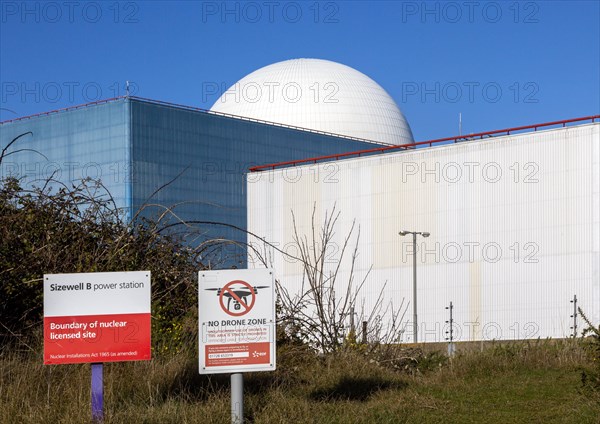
430, 143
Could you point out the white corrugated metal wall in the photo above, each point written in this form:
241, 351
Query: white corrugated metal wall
514, 225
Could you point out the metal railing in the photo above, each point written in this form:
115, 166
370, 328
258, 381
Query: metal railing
65, 109
197, 109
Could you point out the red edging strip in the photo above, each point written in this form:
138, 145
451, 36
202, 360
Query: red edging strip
430, 143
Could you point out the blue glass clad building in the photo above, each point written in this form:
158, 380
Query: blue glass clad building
136, 146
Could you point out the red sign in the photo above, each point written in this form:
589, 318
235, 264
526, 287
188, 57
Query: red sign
96, 317
96, 338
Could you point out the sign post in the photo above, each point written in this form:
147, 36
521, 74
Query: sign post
236, 318
97, 393
96, 318
237, 398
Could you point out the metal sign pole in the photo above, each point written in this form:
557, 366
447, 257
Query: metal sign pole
237, 398
97, 393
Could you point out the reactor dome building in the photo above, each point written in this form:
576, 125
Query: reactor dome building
319, 95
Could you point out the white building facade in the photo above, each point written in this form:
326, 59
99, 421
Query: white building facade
514, 223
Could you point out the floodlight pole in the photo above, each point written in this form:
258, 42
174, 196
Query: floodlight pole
414, 234
415, 325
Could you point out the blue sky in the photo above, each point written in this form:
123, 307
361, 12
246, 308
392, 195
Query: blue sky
500, 64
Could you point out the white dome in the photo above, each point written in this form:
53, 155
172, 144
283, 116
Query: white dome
319, 95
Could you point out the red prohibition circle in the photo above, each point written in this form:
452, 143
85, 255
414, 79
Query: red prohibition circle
231, 295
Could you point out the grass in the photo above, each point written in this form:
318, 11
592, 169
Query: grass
536, 382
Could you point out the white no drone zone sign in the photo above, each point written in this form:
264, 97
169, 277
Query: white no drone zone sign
236, 310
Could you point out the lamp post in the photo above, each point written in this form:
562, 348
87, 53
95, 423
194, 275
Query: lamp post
414, 234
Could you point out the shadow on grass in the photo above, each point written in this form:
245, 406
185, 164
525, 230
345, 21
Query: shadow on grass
290, 359
358, 389
188, 383
192, 385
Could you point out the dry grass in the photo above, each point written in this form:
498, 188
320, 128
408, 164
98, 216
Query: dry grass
525, 382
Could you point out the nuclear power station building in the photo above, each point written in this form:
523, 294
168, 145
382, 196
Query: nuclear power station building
198, 157
512, 216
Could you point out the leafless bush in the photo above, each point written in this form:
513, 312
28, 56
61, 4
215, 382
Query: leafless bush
323, 310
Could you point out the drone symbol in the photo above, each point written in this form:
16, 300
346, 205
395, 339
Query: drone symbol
237, 293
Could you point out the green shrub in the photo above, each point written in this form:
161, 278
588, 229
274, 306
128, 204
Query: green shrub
590, 375
79, 229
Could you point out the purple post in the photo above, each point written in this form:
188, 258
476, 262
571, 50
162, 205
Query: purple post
97, 393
